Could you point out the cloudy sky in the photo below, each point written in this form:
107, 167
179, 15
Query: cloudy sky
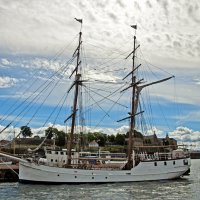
37, 38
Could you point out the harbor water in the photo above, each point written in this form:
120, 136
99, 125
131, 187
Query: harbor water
187, 188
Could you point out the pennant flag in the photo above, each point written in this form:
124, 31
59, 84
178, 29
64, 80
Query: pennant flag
134, 26
79, 20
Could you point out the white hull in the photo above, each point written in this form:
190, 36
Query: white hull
144, 171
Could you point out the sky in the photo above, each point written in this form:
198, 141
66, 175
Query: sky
37, 38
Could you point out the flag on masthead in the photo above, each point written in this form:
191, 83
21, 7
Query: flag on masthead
134, 26
79, 20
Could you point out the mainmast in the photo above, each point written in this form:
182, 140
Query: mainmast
76, 84
134, 100
132, 120
136, 89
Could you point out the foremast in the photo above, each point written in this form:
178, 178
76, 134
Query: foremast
76, 84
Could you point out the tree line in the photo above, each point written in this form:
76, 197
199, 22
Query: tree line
83, 138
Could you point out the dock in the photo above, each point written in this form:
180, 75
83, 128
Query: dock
195, 154
9, 172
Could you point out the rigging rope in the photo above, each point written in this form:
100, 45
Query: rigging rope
39, 88
59, 53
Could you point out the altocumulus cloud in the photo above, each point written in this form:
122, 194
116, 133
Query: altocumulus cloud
6, 82
171, 38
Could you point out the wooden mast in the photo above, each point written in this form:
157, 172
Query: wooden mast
136, 89
77, 82
132, 121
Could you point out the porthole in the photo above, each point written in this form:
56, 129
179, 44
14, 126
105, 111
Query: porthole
93, 177
165, 163
106, 177
75, 176
174, 162
58, 174
155, 163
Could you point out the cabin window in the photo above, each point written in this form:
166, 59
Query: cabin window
51, 160
165, 163
75, 176
92, 177
56, 152
58, 175
61, 153
55, 160
155, 163
174, 162
106, 177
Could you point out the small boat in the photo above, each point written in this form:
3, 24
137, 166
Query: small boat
72, 166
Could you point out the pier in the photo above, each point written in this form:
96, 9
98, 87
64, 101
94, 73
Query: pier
9, 172
195, 154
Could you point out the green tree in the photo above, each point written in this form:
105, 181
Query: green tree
120, 139
111, 138
59, 135
91, 137
99, 137
60, 138
50, 132
26, 131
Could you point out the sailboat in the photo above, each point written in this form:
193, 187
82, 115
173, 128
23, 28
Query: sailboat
70, 166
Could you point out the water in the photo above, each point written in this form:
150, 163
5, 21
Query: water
187, 188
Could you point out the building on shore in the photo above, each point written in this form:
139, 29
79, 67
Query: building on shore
142, 141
